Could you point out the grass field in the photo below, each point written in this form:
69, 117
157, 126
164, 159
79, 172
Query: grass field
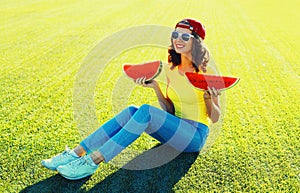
43, 45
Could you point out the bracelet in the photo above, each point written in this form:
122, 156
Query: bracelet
206, 98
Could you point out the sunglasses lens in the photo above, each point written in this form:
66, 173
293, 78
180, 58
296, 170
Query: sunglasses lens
175, 34
185, 37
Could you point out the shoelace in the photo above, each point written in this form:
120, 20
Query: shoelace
61, 155
79, 162
64, 153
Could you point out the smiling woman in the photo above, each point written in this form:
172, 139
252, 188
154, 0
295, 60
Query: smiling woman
43, 44
182, 122
186, 38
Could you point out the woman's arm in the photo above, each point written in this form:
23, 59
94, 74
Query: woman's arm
211, 99
165, 103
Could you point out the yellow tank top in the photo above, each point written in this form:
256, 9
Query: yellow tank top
188, 101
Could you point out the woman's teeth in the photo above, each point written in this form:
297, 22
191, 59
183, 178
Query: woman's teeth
179, 45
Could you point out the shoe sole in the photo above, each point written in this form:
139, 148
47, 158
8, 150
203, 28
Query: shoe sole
53, 168
75, 178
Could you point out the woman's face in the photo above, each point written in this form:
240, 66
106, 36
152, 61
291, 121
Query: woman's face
180, 44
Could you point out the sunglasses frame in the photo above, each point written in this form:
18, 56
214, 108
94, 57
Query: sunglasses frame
180, 35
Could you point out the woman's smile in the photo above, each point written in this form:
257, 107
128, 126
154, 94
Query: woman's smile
179, 45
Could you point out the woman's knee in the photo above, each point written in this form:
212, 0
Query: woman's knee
132, 109
144, 107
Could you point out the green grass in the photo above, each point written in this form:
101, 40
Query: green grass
43, 45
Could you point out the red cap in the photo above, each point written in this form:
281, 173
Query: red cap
192, 25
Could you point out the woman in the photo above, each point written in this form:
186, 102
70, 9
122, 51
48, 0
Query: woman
183, 122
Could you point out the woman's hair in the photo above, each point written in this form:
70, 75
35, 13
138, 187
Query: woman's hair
200, 55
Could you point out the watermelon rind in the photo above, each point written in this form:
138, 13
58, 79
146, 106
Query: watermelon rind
158, 71
207, 75
156, 74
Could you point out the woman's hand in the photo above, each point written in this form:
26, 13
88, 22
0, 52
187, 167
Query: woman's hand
142, 81
211, 93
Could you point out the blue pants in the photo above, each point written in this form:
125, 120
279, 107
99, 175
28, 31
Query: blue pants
119, 132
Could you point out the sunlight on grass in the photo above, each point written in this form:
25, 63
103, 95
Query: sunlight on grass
43, 45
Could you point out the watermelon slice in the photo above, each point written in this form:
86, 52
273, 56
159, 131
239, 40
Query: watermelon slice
202, 81
150, 70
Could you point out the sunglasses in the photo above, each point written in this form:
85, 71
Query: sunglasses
183, 36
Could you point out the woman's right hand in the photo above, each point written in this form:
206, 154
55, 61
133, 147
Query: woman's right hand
142, 81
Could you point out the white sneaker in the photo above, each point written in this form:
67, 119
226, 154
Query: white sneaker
78, 169
60, 159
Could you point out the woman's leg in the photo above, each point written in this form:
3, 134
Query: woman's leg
165, 127
105, 132
177, 132
191, 143
92, 142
